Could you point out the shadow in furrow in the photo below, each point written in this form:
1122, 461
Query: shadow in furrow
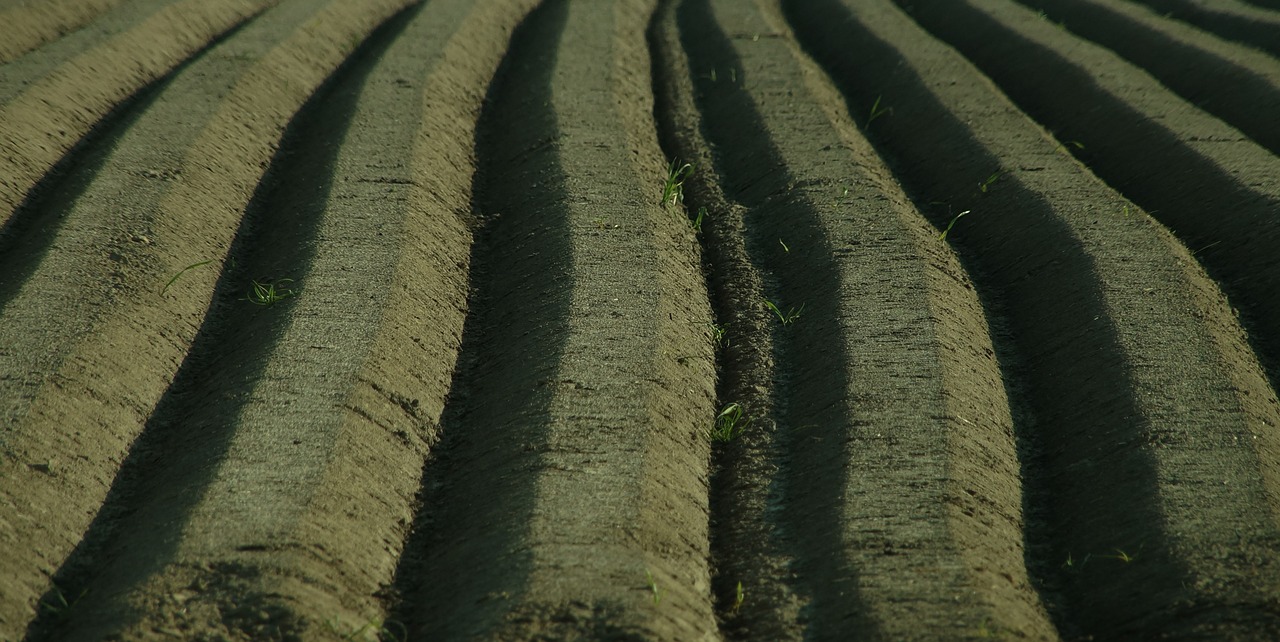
1232, 27
1231, 229
1090, 486
177, 456
1229, 91
802, 505
742, 469
467, 561
28, 235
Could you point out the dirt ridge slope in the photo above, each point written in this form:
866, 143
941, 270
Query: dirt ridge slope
110, 382
853, 251
65, 105
29, 26
432, 319
1046, 240
578, 272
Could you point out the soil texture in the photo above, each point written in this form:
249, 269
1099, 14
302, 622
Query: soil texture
676, 320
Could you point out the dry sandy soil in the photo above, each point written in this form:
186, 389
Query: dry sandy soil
370, 319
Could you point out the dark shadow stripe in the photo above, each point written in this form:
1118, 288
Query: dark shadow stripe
1034, 280
28, 235
178, 453
468, 559
1263, 36
740, 469
1233, 93
810, 479
1231, 229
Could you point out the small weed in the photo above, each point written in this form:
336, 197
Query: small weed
738, 597
733, 75
1120, 555
673, 185
1074, 143
786, 318
1072, 564
877, 111
989, 631
382, 630
181, 272
991, 180
61, 607
653, 588
719, 335
1197, 252
943, 235
784, 246
697, 221
268, 294
730, 423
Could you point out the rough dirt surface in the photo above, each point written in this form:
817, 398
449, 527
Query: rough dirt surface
371, 320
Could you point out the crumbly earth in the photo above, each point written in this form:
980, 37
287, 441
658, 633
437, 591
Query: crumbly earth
639, 320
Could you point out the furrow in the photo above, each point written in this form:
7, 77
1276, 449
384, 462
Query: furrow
299, 406
64, 265
745, 554
1253, 24
81, 413
569, 496
1149, 470
1237, 84
1112, 113
29, 26
18, 75
886, 395
39, 126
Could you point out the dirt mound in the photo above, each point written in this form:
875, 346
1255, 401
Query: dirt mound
653, 319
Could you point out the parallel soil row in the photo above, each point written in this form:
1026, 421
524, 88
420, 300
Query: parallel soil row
30, 25
639, 320
1113, 418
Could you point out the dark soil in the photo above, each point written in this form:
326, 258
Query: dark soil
368, 319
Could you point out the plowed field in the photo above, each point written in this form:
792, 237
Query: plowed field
639, 320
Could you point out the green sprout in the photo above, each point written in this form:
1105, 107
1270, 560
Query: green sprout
673, 185
268, 294
877, 111
943, 235
719, 335
1120, 555
181, 272
784, 246
61, 607
730, 423
697, 221
1074, 143
738, 597
786, 318
991, 180
653, 588
1072, 564
382, 630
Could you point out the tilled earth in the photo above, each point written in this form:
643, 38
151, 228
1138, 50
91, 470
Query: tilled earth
372, 319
